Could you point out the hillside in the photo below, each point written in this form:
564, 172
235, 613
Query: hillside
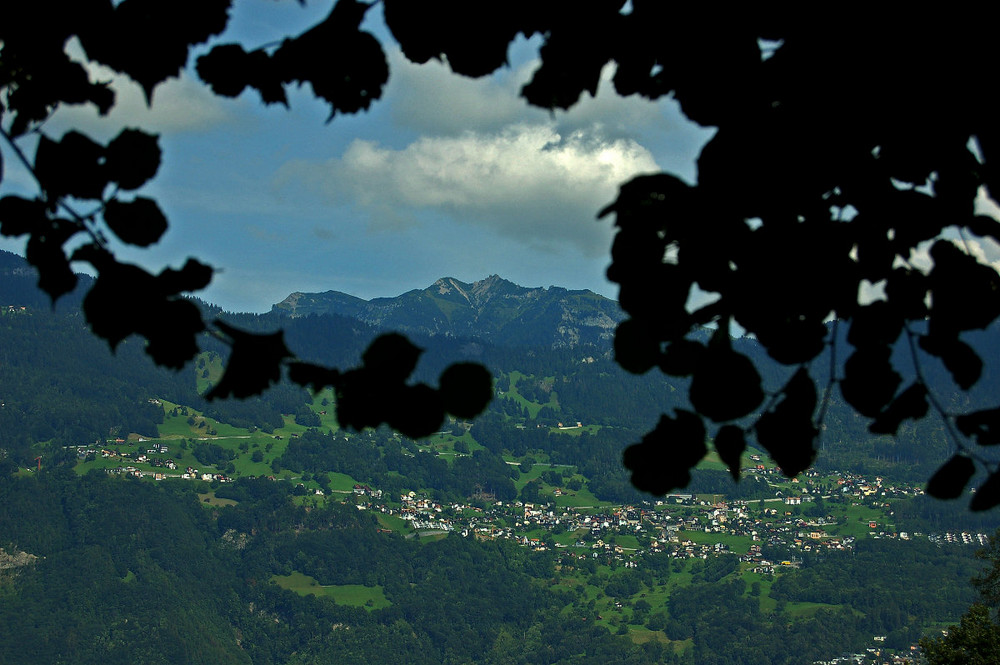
141, 522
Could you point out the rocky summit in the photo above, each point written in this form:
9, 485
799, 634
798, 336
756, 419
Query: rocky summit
492, 309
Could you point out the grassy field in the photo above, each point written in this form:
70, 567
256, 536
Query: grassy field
356, 595
532, 407
210, 499
736, 544
393, 523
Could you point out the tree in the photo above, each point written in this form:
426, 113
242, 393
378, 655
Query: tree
845, 148
976, 640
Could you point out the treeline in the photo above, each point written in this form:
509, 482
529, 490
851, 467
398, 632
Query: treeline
61, 384
394, 464
890, 582
128, 571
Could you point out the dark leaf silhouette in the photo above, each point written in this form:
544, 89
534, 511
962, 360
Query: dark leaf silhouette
681, 357
911, 403
950, 480
391, 358
798, 199
148, 40
788, 432
19, 215
132, 158
635, 349
73, 166
172, 342
730, 444
138, 222
466, 389
193, 276
225, 69
663, 459
869, 382
254, 364
415, 411
360, 399
344, 66
45, 252
725, 385
965, 294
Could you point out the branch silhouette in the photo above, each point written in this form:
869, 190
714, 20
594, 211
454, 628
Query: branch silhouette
842, 147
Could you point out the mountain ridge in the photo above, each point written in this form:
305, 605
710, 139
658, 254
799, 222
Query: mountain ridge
492, 309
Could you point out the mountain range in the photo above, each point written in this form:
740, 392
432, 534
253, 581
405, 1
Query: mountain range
492, 309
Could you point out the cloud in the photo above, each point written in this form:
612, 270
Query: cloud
527, 182
415, 93
494, 102
179, 105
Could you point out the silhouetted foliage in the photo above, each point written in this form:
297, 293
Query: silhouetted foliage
830, 168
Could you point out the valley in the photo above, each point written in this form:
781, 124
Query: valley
146, 522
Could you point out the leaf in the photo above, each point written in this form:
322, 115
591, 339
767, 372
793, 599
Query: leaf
224, 69
730, 444
74, 166
466, 389
19, 215
344, 66
431, 30
983, 426
416, 412
169, 325
869, 382
391, 358
193, 276
116, 283
662, 461
949, 481
906, 290
911, 403
254, 364
133, 158
138, 222
965, 294
45, 251
148, 40
681, 357
725, 385
788, 432
876, 324
172, 335
359, 397
988, 494
636, 351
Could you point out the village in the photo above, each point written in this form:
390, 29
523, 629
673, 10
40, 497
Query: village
808, 514
678, 525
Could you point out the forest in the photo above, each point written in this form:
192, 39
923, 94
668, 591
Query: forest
130, 570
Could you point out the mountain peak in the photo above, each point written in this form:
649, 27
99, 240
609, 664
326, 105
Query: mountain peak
492, 309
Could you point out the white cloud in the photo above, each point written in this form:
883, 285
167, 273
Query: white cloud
527, 182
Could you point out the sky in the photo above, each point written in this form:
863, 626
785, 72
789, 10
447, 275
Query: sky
445, 176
